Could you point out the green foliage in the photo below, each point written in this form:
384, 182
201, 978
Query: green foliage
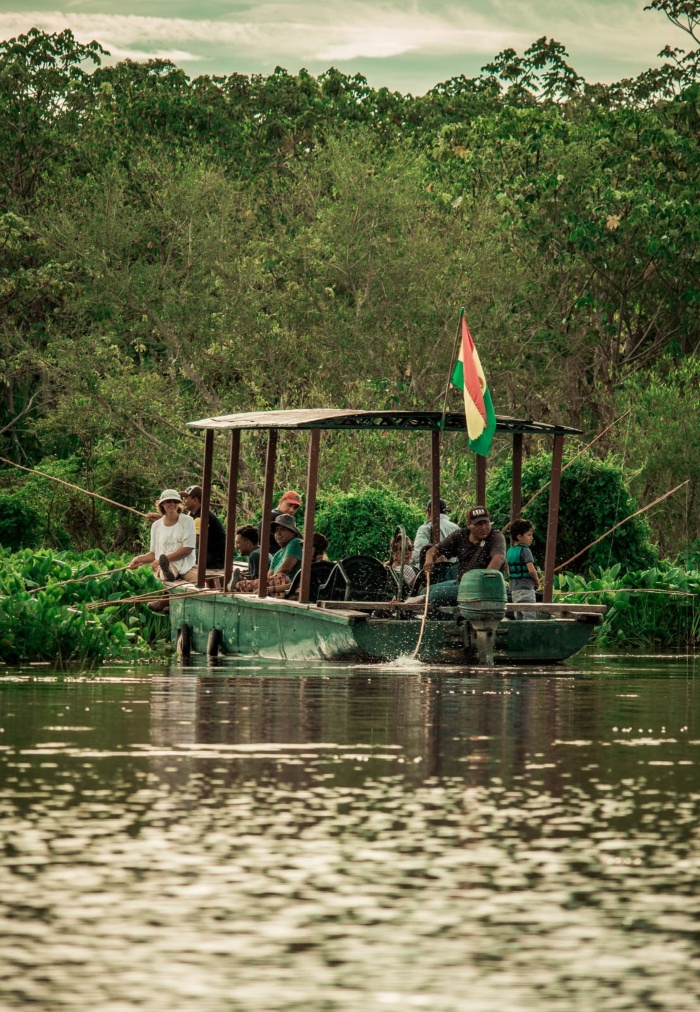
55, 623
594, 497
690, 558
20, 522
362, 522
657, 607
174, 249
664, 428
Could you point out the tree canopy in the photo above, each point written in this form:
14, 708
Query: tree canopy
176, 247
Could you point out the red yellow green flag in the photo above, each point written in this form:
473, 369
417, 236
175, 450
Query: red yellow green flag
469, 377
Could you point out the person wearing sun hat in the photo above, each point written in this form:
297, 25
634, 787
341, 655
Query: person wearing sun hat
289, 504
173, 540
286, 560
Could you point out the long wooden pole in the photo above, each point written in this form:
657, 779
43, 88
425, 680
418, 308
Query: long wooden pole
80, 579
480, 480
434, 487
630, 517
270, 461
553, 518
574, 459
309, 514
68, 484
233, 463
204, 508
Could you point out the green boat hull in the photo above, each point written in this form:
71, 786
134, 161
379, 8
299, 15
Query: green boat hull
285, 630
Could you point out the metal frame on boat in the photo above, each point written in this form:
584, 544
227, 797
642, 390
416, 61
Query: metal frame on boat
256, 624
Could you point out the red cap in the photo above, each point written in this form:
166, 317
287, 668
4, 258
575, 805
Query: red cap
292, 497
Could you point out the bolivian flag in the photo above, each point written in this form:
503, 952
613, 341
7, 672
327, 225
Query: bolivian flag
478, 406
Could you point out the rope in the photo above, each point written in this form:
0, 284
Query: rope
425, 615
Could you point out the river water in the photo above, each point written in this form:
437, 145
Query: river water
262, 837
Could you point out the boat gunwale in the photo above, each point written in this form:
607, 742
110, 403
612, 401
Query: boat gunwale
272, 603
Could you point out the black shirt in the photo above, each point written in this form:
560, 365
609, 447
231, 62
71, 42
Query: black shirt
216, 541
470, 554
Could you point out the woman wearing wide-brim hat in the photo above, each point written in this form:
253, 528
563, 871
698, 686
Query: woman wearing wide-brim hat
286, 560
173, 539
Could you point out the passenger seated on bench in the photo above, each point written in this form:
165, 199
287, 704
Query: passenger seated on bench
319, 544
284, 563
409, 572
320, 547
247, 545
424, 534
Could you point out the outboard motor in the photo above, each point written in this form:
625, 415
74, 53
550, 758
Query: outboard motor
482, 604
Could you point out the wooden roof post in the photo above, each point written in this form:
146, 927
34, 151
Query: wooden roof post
434, 487
233, 463
204, 510
553, 518
309, 513
516, 496
480, 480
270, 461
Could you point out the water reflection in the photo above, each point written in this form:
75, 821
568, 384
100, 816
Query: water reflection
256, 837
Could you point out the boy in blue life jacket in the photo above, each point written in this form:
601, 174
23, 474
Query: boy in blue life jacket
524, 579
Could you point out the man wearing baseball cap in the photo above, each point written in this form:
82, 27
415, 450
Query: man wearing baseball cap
477, 546
424, 534
289, 504
216, 541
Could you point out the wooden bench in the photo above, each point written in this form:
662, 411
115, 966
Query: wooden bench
556, 610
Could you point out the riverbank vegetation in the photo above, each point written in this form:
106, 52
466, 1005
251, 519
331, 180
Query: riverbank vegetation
48, 609
177, 248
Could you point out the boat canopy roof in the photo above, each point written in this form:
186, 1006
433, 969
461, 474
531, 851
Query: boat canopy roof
346, 418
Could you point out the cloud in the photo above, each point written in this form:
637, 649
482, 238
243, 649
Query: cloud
305, 30
319, 32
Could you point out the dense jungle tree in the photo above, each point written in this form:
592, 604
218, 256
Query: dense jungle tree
174, 248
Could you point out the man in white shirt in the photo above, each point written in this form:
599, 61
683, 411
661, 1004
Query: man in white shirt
424, 534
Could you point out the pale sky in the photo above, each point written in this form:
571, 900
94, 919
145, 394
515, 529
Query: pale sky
405, 45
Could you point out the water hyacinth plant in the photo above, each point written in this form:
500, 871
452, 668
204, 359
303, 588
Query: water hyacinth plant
45, 618
656, 607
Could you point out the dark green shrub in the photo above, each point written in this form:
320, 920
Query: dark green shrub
362, 522
20, 522
690, 558
594, 497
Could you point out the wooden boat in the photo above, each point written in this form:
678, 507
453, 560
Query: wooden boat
318, 625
